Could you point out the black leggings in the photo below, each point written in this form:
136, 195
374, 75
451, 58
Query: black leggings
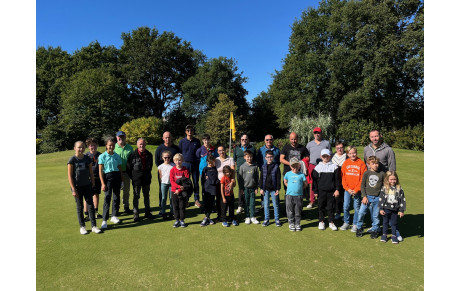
112, 184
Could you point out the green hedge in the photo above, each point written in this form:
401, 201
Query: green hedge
279, 143
149, 128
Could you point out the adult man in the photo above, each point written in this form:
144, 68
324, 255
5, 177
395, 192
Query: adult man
381, 150
292, 150
315, 147
268, 146
167, 145
188, 147
124, 150
238, 157
139, 169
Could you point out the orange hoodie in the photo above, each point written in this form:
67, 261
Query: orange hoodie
352, 174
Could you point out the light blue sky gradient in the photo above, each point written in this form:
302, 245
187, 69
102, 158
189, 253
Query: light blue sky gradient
255, 33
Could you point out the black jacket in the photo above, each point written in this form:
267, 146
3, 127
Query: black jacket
326, 177
134, 168
187, 184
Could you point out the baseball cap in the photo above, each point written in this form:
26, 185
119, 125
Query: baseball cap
325, 152
293, 161
120, 133
317, 129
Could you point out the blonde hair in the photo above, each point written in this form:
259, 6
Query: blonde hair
386, 181
178, 157
350, 147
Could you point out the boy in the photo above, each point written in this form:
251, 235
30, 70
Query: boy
178, 200
370, 189
250, 175
326, 185
295, 182
270, 185
93, 154
209, 183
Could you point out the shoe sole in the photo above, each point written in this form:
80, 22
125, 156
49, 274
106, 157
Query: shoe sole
383, 240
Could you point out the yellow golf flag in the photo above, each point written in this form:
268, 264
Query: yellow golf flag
232, 126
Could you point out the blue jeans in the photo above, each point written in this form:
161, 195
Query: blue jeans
346, 207
275, 202
194, 172
165, 188
373, 206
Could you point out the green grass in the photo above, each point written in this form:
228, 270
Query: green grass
153, 255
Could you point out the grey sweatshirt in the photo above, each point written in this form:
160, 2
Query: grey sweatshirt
250, 174
385, 154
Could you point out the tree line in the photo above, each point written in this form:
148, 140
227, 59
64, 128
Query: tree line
359, 61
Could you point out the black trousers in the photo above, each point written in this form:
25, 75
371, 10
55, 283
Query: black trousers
86, 193
179, 202
113, 184
390, 215
230, 204
338, 202
209, 201
137, 196
326, 203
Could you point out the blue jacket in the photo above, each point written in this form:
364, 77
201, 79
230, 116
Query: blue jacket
275, 175
261, 156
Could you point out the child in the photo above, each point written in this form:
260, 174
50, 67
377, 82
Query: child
178, 200
250, 175
164, 170
227, 183
392, 203
295, 182
307, 168
339, 158
110, 175
81, 177
326, 185
370, 189
352, 174
270, 185
205, 150
93, 154
209, 184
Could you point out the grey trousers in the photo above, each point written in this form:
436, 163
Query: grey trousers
293, 209
126, 185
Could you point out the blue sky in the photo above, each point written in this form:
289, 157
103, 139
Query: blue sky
255, 33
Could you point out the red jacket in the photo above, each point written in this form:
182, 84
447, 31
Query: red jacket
176, 174
309, 169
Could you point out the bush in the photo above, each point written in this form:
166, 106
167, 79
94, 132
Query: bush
149, 128
304, 127
38, 141
356, 132
279, 143
411, 138
54, 139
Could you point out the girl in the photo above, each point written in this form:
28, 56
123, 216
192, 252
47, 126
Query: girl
110, 175
391, 203
80, 175
227, 183
164, 170
222, 161
179, 202
209, 184
352, 174
93, 154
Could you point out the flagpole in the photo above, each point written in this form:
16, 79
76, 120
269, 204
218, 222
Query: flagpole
230, 143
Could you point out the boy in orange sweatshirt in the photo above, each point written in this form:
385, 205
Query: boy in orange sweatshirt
352, 174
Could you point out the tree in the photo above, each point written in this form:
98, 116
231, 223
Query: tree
214, 77
92, 104
262, 119
354, 60
53, 68
96, 56
217, 123
156, 66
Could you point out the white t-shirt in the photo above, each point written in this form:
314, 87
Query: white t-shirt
220, 165
165, 169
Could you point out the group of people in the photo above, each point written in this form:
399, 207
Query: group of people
311, 171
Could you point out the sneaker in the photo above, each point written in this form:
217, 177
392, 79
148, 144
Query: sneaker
247, 220
291, 227
400, 238
321, 226
345, 226
239, 210
337, 216
235, 223
176, 223
204, 222
114, 219
310, 206
149, 215
164, 216
182, 223
359, 232
83, 230
210, 221
86, 218
374, 235
197, 203
298, 228
332, 226
354, 228
104, 224
254, 220
265, 223
277, 223
98, 215
384, 238
394, 240
224, 224
136, 217
95, 229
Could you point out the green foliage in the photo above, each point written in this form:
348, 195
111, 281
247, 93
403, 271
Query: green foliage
356, 132
262, 119
411, 138
54, 139
149, 128
96, 56
304, 127
38, 141
277, 142
217, 120
354, 60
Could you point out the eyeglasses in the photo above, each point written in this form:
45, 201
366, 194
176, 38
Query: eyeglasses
269, 157
166, 158
268, 139
317, 132
244, 139
338, 148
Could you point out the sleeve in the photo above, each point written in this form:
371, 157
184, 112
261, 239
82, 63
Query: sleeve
260, 179
71, 161
198, 153
344, 181
391, 161
381, 198
402, 201
180, 146
260, 160
329, 146
305, 153
256, 176
278, 176
222, 181
172, 179
129, 166
315, 176
363, 185
234, 153
365, 156
337, 178
203, 177
362, 170
157, 156
100, 159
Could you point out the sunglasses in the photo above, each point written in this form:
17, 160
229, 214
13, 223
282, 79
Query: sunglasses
166, 157
268, 139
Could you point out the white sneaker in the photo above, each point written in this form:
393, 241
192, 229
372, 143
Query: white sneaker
83, 230
354, 228
309, 206
114, 219
332, 226
400, 238
345, 226
104, 224
95, 229
239, 210
247, 220
254, 220
321, 226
